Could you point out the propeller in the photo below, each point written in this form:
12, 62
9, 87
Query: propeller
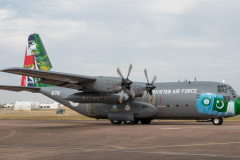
126, 84
149, 86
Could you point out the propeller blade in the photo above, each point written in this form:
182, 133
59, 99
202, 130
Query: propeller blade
131, 92
154, 79
144, 94
121, 96
129, 71
150, 92
119, 73
145, 71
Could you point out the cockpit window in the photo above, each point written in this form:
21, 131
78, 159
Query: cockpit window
231, 89
224, 89
219, 89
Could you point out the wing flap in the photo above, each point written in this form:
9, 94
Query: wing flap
20, 88
61, 84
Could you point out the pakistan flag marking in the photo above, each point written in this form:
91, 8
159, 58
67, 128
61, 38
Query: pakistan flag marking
214, 104
219, 105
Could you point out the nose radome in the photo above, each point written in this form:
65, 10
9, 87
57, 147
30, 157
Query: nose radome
237, 106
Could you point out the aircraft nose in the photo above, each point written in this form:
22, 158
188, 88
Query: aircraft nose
237, 106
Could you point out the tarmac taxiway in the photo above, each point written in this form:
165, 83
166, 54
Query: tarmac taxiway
35, 139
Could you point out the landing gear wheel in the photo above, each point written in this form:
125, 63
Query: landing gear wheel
131, 122
145, 121
217, 121
116, 122
128, 122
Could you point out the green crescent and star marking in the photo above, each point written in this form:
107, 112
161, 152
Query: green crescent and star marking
219, 105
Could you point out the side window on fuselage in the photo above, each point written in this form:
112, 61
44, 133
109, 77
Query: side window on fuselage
226, 98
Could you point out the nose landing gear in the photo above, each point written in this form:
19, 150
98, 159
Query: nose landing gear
217, 121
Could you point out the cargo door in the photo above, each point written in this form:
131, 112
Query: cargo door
91, 109
152, 99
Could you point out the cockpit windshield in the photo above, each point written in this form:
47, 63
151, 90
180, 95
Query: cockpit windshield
225, 89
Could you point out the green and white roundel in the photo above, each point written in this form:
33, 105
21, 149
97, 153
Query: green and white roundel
206, 101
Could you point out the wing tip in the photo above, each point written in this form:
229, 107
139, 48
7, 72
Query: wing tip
11, 69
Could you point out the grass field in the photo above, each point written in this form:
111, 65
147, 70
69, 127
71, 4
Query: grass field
68, 114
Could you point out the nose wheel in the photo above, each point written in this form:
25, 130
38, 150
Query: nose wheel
217, 121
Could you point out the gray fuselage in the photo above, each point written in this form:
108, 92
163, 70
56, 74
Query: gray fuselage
172, 100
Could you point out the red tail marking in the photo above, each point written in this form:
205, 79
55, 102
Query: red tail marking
28, 61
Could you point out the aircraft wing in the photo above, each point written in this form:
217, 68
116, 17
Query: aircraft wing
66, 80
20, 88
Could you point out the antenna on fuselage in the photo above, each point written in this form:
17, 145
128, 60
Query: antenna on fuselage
195, 79
223, 81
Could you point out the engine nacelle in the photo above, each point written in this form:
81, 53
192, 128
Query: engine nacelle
138, 88
105, 85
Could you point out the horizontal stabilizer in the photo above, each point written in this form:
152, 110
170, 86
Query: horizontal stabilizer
53, 78
20, 88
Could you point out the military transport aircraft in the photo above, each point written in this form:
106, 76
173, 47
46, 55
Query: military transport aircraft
121, 100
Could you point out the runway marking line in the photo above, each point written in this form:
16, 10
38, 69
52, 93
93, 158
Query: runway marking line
13, 132
185, 145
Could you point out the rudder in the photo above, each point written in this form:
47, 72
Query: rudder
35, 58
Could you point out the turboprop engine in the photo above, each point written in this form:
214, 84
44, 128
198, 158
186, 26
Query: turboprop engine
93, 97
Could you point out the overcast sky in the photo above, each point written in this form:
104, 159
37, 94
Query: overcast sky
174, 39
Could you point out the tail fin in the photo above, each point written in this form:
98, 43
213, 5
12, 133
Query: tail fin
35, 58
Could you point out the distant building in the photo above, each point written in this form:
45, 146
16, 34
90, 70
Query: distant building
9, 105
26, 106
49, 106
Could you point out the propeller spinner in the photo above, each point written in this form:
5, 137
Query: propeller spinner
149, 86
126, 84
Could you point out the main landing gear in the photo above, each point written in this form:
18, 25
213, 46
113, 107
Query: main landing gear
217, 121
143, 121
146, 121
116, 122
